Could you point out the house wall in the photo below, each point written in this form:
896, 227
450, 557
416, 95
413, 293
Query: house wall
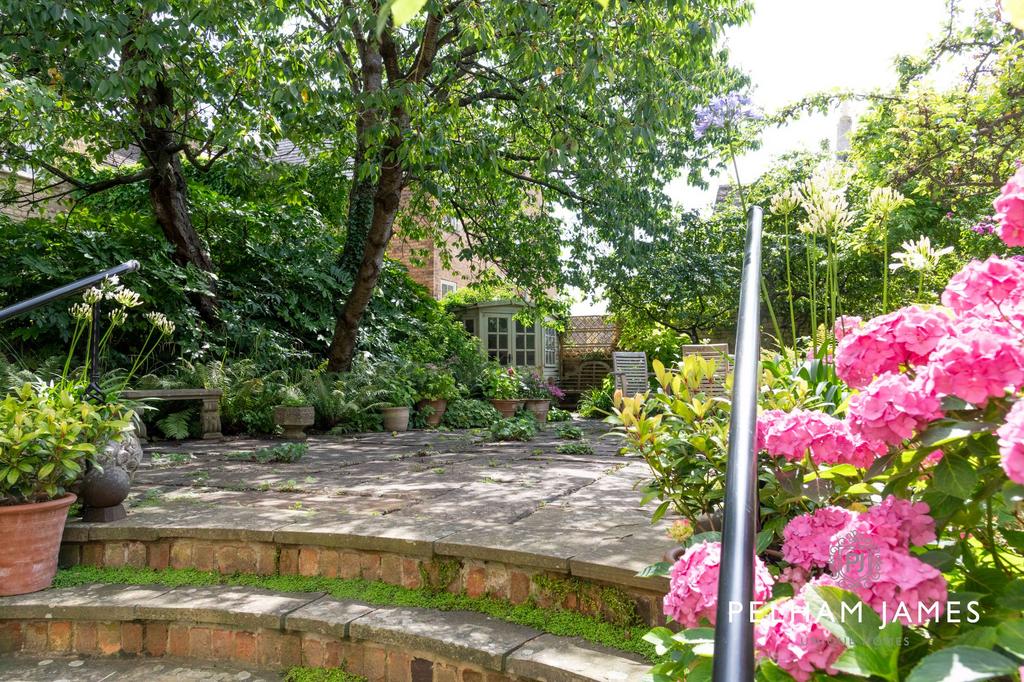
20, 210
423, 259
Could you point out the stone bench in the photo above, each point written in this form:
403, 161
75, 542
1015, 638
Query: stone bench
209, 416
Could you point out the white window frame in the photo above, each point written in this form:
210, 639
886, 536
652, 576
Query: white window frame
528, 334
502, 355
448, 287
550, 347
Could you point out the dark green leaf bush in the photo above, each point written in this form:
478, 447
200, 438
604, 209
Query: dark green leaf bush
465, 413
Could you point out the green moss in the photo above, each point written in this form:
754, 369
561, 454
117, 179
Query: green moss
321, 675
438, 574
554, 621
616, 604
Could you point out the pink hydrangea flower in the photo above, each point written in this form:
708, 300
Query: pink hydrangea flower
886, 343
1011, 443
807, 539
791, 637
898, 523
891, 409
981, 360
845, 324
907, 589
993, 281
1010, 210
693, 585
933, 458
792, 434
796, 576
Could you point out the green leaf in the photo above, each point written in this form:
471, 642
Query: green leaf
946, 432
962, 664
402, 11
1010, 636
955, 476
661, 568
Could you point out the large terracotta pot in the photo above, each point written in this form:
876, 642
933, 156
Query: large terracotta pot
438, 407
539, 409
395, 418
31, 534
294, 420
507, 408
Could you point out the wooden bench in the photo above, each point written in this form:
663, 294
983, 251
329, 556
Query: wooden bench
590, 374
209, 415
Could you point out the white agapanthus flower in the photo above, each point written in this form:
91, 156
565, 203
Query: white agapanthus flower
786, 201
80, 311
884, 201
125, 296
92, 296
823, 198
162, 324
919, 256
118, 317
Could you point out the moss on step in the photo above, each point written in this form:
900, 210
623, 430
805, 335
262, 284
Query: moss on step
554, 621
612, 601
321, 675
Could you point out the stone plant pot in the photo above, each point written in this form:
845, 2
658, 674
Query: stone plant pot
294, 420
507, 408
395, 418
31, 534
438, 407
539, 407
106, 484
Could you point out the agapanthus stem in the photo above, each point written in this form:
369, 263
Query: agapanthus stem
789, 285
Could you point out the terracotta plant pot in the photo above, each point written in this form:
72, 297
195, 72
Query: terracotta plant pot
31, 533
294, 420
507, 408
396, 418
539, 409
438, 407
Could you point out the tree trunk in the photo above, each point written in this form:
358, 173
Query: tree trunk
385, 207
168, 195
360, 211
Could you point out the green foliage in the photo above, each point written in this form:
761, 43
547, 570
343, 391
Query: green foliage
582, 449
48, 433
299, 674
286, 453
521, 428
554, 621
466, 413
500, 383
597, 403
432, 383
569, 432
178, 425
556, 414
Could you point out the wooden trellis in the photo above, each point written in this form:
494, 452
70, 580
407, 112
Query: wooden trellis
589, 334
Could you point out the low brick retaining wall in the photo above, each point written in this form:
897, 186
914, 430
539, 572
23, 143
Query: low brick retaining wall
591, 589
279, 630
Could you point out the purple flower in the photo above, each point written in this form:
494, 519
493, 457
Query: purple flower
984, 226
555, 392
724, 111
1019, 259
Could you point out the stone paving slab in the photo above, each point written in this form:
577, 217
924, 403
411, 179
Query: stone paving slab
327, 616
416, 493
556, 659
21, 669
86, 601
463, 636
223, 604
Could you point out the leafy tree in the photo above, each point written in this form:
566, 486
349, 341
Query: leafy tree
494, 119
172, 79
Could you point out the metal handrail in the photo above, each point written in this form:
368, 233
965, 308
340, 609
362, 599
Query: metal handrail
29, 304
734, 629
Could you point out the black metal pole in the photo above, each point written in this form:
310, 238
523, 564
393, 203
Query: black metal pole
66, 290
93, 390
734, 631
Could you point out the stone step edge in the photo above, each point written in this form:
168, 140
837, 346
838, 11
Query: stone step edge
440, 548
467, 637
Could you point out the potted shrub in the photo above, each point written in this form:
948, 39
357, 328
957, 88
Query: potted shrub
294, 414
538, 396
503, 388
397, 395
434, 388
49, 434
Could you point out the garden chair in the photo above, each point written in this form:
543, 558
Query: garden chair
719, 354
630, 372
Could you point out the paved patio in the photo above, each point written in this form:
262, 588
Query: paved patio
455, 491
35, 669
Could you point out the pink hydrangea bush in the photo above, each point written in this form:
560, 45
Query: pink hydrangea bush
983, 359
792, 435
897, 524
1009, 207
791, 637
906, 589
1011, 443
693, 584
996, 281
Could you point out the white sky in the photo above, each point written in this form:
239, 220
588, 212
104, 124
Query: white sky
793, 48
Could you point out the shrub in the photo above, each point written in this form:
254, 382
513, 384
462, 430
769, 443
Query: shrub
500, 383
556, 414
521, 428
48, 433
596, 403
466, 413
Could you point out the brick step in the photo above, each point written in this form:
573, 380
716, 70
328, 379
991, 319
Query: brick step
275, 631
411, 557
79, 669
